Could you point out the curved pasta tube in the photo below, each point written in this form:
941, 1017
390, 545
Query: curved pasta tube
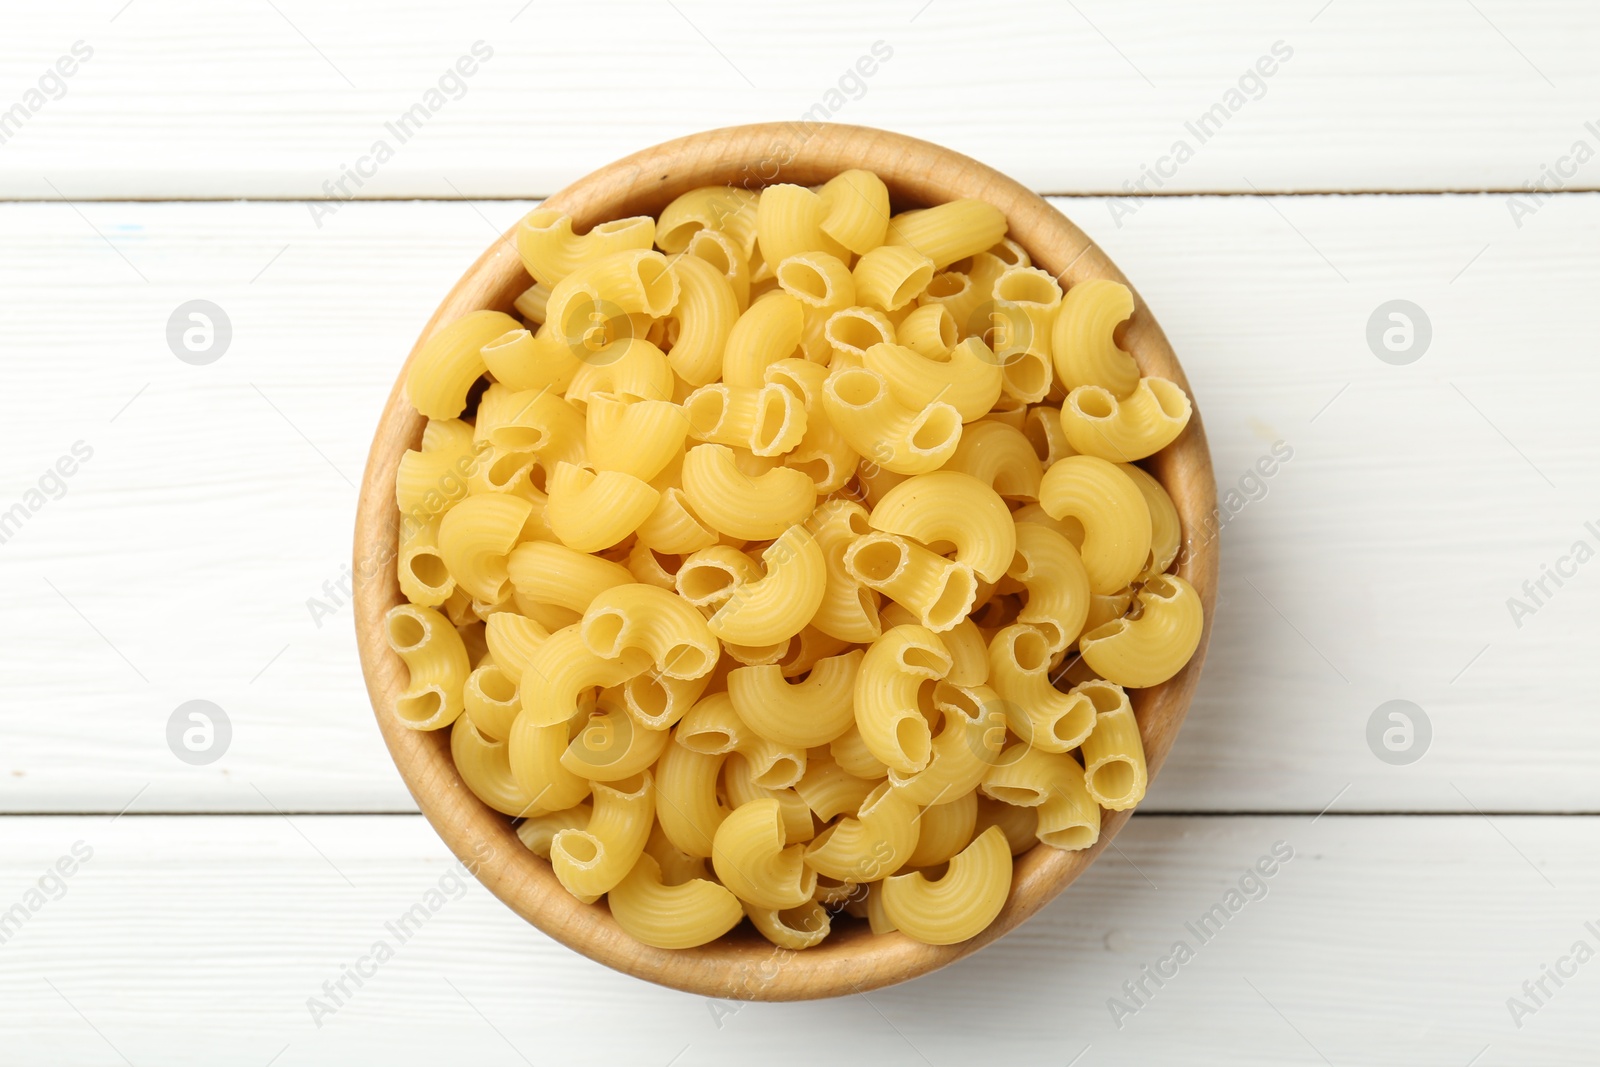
1141, 424
749, 855
656, 701
663, 625
950, 231
551, 251
512, 640
535, 755
971, 739
789, 222
944, 830
490, 699
1083, 339
728, 259
855, 209
1027, 300
436, 658
897, 437
1058, 585
1018, 824
892, 276
475, 537
969, 654
1038, 712
1114, 768
636, 437
537, 831
794, 929
590, 510
593, 860
999, 456
769, 420
888, 712
645, 564
1145, 651
672, 916
822, 453
929, 330
609, 747
959, 905
562, 668
631, 368
706, 310
819, 281
521, 361
424, 577
810, 647
870, 844
851, 331
741, 505
531, 421
721, 208
1166, 531
967, 378
937, 591
549, 573
849, 610
623, 283
1042, 426
782, 601
451, 360
708, 577
672, 528
803, 714
686, 797
485, 769
955, 508
769, 331
1115, 518
830, 791
743, 778
531, 302
849, 751
431, 479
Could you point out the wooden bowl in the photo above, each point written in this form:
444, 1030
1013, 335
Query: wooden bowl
742, 965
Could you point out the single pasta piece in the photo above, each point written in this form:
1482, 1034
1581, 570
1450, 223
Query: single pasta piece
686, 797
937, 591
708, 577
549, 573
521, 361
789, 222
705, 312
433, 478
535, 754
892, 276
663, 625
875, 842
768, 420
1115, 518
436, 659
512, 639
830, 791
1052, 783
719, 208
769, 331
948, 507
819, 281
959, 905
1166, 531
1140, 424
593, 860
999, 456
532, 302
485, 768
1114, 767
490, 699
944, 830
628, 367
1041, 424
803, 714
672, 528
424, 577
1053, 574
537, 831
851, 331
672, 916
822, 454
930, 331
888, 711
855, 209
728, 259
968, 377
610, 747
635, 437
620, 284
1018, 824
562, 668
740, 505
949, 232
750, 858
781, 602
849, 610
591, 510
551, 251
1040, 714
1084, 337
792, 928
450, 360
971, 739
475, 537
1145, 651
893, 435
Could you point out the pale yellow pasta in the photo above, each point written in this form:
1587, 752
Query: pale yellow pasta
644, 562
849, 610
592, 510
783, 600
485, 769
968, 378
549, 573
1038, 712
961, 903
609, 747
512, 640
969, 653
750, 856
531, 303
961, 296
950, 231
971, 739
792, 929
945, 829
1147, 650
1000, 457
1166, 531
721, 208
535, 755
789, 222
1018, 824
436, 660
424, 577
1083, 341
1140, 424
562, 667
489, 698
830, 791
874, 842
742, 778
1115, 518
954, 509
855, 209
623, 283
686, 797
656, 701
705, 311
737, 504
636, 437
630, 367
727, 258
850, 751
519, 360
1057, 583
661, 624
929, 331
893, 435
431, 479
892, 276
551, 251
769, 331
708, 577
671, 528
591, 861
876, 480
537, 831
1009, 410
475, 537
1069, 819
535, 421
888, 712
448, 363
672, 916
804, 714
808, 648
1115, 772
938, 592
822, 454
1042, 427
819, 281
851, 331
769, 420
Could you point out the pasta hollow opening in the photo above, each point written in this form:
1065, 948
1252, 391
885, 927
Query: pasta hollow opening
1093, 402
579, 847
935, 428
856, 388
406, 631
420, 707
955, 598
1113, 779
1031, 650
428, 569
804, 280
879, 561
496, 686
689, 661
1071, 838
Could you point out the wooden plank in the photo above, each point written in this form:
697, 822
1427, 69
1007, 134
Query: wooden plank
218, 501
188, 99
1381, 941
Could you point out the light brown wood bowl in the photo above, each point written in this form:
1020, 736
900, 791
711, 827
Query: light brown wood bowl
742, 965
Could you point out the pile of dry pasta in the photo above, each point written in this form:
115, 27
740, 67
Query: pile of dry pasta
777, 556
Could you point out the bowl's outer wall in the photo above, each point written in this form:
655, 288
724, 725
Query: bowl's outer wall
742, 965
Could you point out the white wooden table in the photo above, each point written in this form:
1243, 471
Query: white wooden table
1385, 158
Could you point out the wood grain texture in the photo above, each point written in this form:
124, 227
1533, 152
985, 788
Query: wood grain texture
1389, 544
192, 99
1384, 941
852, 959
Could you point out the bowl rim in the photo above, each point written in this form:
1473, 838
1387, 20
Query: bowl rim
742, 965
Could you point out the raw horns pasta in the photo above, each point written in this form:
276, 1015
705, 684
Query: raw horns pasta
784, 558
